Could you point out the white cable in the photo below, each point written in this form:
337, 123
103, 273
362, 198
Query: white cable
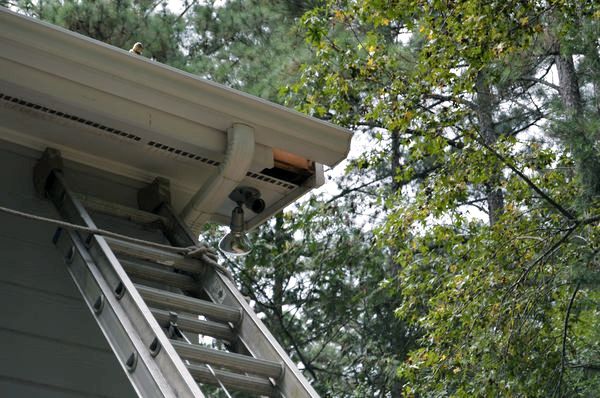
207, 254
209, 368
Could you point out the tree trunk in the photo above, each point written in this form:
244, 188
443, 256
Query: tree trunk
582, 142
495, 196
592, 53
569, 85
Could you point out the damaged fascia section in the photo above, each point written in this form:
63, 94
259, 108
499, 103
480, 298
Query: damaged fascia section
238, 159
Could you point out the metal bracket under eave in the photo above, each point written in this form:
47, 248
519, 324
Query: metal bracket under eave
156, 198
50, 161
151, 197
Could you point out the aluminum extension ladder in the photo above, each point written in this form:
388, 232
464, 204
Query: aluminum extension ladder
153, 325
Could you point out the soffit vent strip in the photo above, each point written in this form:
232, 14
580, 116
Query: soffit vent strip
271, 180
161, 148
177, 152
67, 116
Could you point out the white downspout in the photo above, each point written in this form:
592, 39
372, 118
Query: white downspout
210, 196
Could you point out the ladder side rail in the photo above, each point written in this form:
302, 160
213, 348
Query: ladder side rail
252, 332
118, 331
259, 340
166, 367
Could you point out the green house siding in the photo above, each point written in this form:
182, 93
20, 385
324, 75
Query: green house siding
50, 346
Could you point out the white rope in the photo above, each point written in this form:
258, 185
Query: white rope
204, 253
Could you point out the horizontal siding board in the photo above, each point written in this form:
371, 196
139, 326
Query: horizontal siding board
25, 228
55, 363
129, 228
49, 313
39, 267
17, 388
16, 172
18, 200
50, 345
81, 178
92, 182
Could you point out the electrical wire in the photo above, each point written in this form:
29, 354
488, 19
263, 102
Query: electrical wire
203, 252
210, 369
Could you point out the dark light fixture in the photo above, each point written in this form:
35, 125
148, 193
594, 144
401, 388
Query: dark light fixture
236, 242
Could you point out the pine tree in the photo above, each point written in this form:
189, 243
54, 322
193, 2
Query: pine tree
251, 45
465, 98
120, 23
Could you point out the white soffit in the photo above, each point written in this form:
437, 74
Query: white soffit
139, 80
105, 107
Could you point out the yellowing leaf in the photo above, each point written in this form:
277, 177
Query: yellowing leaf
338, 15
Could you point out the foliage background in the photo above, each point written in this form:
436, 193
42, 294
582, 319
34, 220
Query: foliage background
458, 255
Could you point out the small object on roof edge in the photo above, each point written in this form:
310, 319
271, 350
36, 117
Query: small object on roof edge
137, 48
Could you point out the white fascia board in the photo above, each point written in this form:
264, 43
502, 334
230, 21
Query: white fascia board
158, 86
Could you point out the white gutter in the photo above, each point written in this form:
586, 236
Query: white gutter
89, 63
210, 196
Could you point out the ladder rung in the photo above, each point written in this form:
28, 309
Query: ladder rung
234, 381
164, 275
190, 324
218, 312
156, 255
229, 360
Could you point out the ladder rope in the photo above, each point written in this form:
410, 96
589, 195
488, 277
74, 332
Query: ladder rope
203, 252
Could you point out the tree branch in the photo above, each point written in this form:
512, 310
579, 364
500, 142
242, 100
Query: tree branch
528, 181
591, 366
450, 98
546, 253
346, 191
563, 356
541, 81
185, 11
590, 220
